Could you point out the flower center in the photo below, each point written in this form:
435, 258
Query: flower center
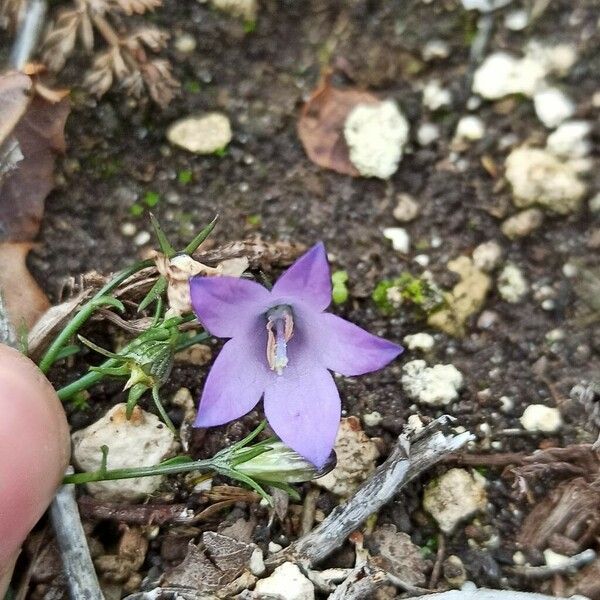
280, 328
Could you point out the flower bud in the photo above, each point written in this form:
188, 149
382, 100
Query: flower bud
280, 464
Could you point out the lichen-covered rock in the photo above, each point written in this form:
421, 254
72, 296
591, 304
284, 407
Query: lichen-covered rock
523, 223
203, 135
538, 177
487, 255
356, 456
538, 417
419, 341
454, 497
552, 106
570, 140
141, 441
376, 135
437, 385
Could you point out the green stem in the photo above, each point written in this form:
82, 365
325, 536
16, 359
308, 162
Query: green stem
85, 312
129, 472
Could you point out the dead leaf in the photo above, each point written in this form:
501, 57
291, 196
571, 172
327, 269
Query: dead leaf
321, 125
216, 565
25, 301
24, 189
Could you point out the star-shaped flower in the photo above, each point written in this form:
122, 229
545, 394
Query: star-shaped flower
283, 346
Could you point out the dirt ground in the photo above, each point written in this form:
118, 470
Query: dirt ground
265, 185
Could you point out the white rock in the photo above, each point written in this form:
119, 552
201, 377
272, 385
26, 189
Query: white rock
484, 5
435, 96
454, 497
556, 560
438, 385
422, 260
287, 583
399, 238
257, 563
552, 106
435, 49
203, 135
356, 457
407, 208
538, 417
570, 270
570, 140
372, 419
487, 256
141, 441
185, 43
594, 204
427, 133
538, 177
376, 135
523, 223
501, 74
142, 238
516, 20
470, 127
128, 229
419, 341
512, 284
244, 9
555, 58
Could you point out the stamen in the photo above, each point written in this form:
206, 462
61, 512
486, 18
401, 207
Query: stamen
280, 328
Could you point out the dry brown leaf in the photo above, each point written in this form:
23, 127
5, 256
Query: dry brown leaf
130, 7
321, 125
25, 302
60, 40
23, 190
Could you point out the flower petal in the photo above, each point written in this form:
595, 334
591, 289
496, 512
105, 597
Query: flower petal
307, 280
347, 349
303, 408
227, 305
235, 383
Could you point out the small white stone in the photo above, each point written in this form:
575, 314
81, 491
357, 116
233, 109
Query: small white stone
570, 270
142, 238
422, 260
487, 319
538, 177
501, 75
484, 5
594, 204
570, 140
244, 9
454, 497
256, 564
287, 583
141, 441
487, 256
555, 58
435, 96
185, 43
427, 133
473, 103
376, 135
553, 106
419, 341
470, 127
372, 419
523, 223
512, 284
435, 49
555, 335
399, 238
507, 404
538, 417
274, 548
203, 135
519, 558
438, 385
406, 209
414, 423
516, 20
128, 229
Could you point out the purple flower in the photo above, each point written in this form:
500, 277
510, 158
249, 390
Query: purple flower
282, 346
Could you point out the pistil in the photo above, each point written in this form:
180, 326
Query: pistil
280, 328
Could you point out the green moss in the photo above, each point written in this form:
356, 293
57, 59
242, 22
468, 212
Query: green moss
192, 86
249, 26
221, 152
184, 177
136, 210
407, 290
254, 220
151, 199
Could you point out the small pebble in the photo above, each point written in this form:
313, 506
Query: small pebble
142, 238
435, 49
422, 260
594, 204
569, 270
185, 43
427, 134
553, 106
471, 128
487, 256
419, 341
523, 223
406, 209
512, 284
128, 229
506, 404
435, 96
399, 238
372, 419
487, 319
516, 20
538, 417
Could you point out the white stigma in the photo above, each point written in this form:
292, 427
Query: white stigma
280, 328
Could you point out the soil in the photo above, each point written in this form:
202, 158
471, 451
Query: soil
265, 185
